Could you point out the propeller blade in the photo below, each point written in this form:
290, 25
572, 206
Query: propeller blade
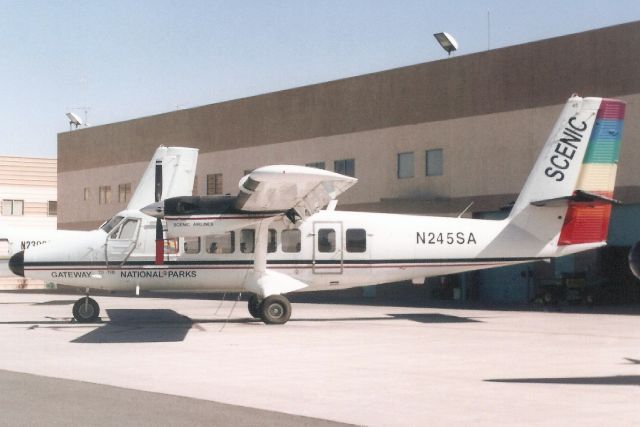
159, 231
158, 180
159, 243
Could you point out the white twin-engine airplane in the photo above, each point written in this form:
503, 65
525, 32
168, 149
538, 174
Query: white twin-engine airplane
275, 237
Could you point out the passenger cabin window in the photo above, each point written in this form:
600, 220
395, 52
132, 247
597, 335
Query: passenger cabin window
191, 245
221, 243
247, 240
356, 240
128, 229
326, 240
273, 241
291, 240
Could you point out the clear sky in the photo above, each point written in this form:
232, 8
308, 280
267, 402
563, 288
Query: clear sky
134, 58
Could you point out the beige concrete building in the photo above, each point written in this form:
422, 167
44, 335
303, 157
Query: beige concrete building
28, 190
28, 193
427, 138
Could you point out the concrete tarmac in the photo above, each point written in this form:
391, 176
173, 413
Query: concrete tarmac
175, 359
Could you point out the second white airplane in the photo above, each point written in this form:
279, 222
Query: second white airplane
275, 237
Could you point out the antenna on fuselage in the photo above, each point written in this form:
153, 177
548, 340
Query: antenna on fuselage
465, 210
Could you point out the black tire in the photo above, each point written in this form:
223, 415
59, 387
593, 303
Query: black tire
275, 310
86, 310
254, 306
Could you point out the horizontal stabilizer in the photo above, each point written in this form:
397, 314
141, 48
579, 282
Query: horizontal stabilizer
579, 197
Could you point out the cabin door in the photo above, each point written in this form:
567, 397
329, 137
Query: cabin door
121, 241
328, 248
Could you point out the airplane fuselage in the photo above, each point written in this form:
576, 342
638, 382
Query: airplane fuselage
329, 250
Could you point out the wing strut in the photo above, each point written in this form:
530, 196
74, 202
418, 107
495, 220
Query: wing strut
261, 280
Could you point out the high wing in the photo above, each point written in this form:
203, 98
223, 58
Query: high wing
285, 187
267, 192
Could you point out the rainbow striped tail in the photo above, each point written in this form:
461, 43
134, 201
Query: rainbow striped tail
587, 221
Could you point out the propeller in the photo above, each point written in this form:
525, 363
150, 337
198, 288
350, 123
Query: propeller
159, 230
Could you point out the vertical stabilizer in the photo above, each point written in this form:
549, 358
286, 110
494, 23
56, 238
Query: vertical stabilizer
587, 222
555, 173
565, 204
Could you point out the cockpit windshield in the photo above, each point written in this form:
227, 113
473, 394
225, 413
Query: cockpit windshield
108, 225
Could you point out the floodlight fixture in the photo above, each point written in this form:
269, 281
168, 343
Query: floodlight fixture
447, 42
74, 120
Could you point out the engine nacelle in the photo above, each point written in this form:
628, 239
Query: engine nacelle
634, 259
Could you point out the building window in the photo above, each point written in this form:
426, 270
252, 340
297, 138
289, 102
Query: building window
317, 165
13, 207
52, 207
434, 162
345, 167
124, 193
214, 184
104, 194
86, 194
405, 165
356, 240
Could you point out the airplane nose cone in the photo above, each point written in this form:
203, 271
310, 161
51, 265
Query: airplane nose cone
155, 210
16, 264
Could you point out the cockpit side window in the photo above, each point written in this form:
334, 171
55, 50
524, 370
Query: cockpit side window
108, 225
128, 229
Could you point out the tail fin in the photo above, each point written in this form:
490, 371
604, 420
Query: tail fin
179, 168
589, 222
555, 173
566, 199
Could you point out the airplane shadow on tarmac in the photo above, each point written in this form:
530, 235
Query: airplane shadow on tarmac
163, 325
140, 326
633, 380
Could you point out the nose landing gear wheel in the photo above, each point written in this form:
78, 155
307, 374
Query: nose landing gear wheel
254, 306
275, 310
86, 310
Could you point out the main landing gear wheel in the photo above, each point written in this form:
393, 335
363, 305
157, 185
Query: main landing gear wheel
86, 310
275, 310
254, 306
